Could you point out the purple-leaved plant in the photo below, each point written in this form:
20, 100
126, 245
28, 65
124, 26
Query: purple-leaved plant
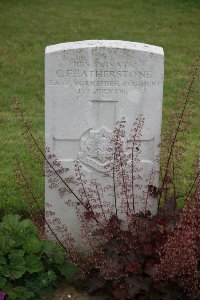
2, 295
130, 254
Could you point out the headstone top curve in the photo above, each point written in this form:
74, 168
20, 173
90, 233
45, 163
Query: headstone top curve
105, 43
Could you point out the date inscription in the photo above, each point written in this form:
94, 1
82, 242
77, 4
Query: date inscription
103, 77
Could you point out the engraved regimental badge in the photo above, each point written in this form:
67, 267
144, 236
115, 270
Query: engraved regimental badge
94, 146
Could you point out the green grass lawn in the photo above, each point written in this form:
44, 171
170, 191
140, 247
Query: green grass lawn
27, 27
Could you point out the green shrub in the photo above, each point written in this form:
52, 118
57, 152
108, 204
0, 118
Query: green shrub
29, 267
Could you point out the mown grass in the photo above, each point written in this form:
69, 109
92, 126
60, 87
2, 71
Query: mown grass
27, 27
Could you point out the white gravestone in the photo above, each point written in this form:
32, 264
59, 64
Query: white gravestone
89, 85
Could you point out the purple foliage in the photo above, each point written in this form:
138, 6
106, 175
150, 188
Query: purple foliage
2, 295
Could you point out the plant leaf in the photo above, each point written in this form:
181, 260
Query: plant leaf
32, 246
33, 264
19, 292
9, 223
16, 267
68, 270
3, 245
47, 247
2, 282
28, 227
3, 261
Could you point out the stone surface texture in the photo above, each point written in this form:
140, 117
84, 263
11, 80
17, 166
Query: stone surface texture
89, 85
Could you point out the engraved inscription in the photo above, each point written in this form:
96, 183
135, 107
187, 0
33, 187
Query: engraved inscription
82, 91
108, 78
102, 73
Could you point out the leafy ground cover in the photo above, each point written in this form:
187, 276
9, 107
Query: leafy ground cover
27, 27
29, 266
126, 263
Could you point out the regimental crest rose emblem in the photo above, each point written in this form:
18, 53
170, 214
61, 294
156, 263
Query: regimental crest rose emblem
95, 149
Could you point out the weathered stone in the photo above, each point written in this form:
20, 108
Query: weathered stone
89, 85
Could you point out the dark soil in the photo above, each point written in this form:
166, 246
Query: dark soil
68, 292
